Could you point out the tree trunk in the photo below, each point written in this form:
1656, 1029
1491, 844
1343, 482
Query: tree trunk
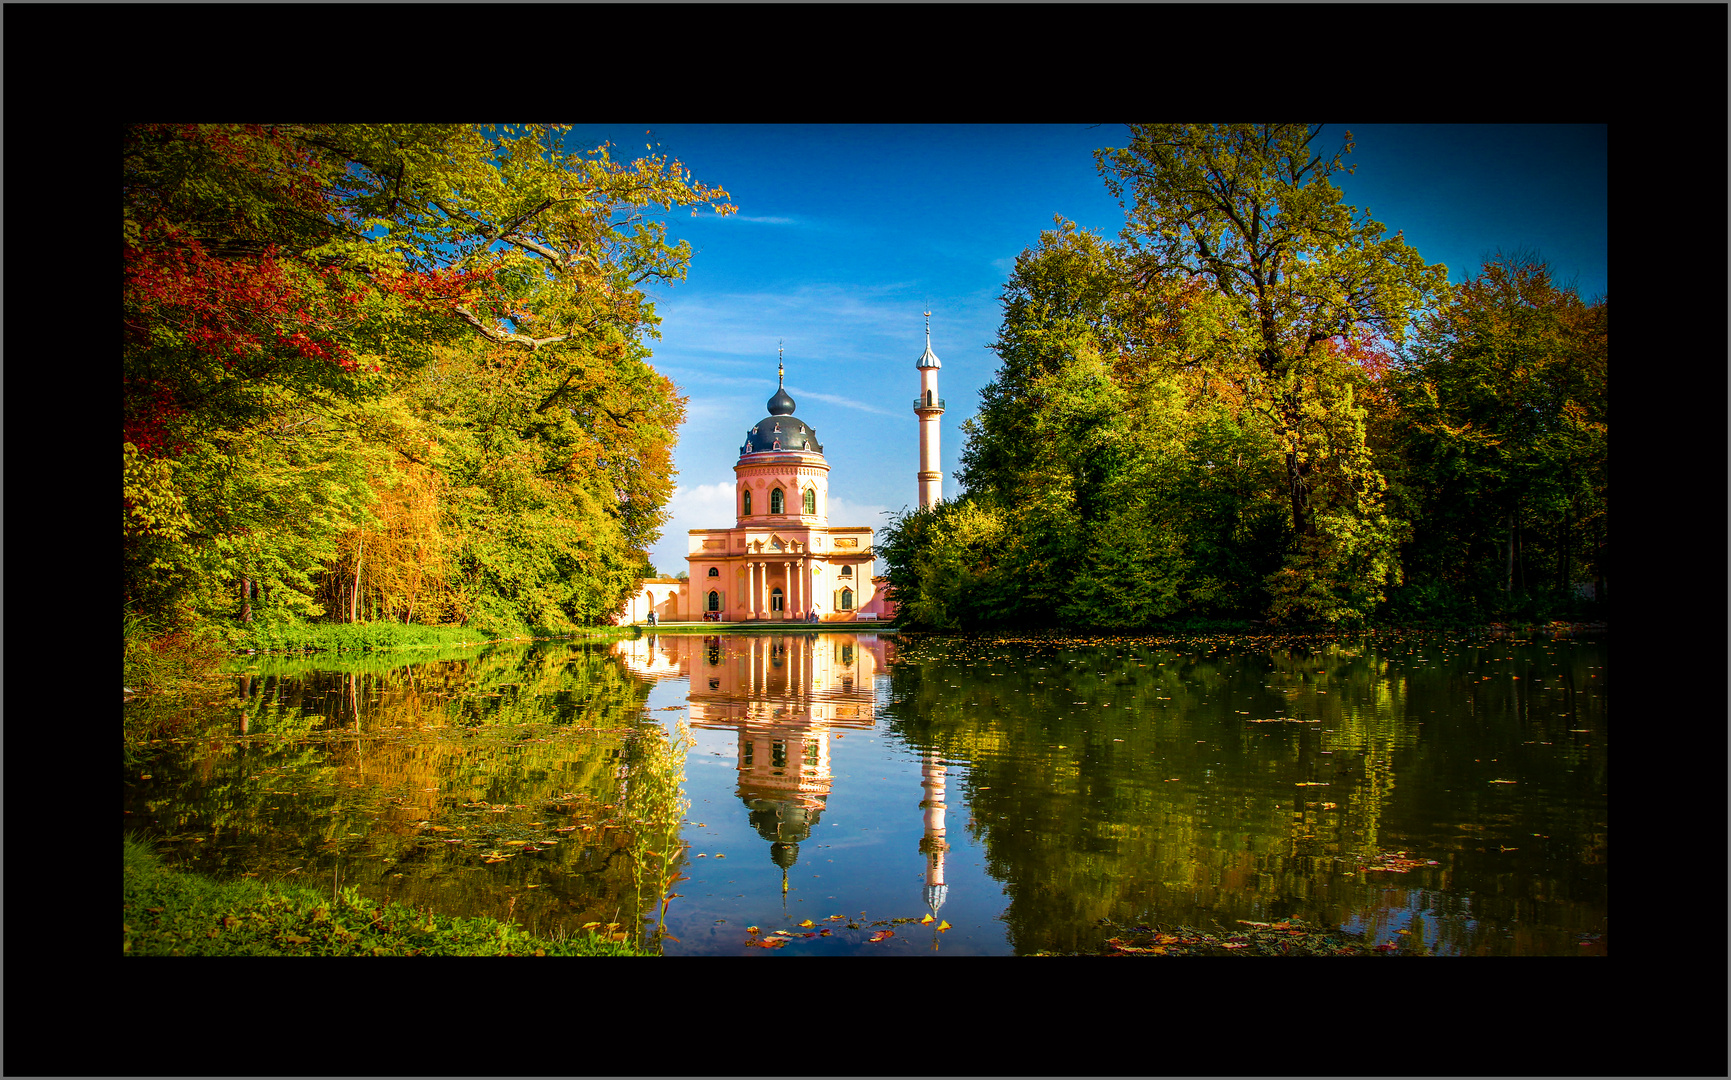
1509, 574
355, 593
246, 600
1567, 587
1301, 524
1520, 556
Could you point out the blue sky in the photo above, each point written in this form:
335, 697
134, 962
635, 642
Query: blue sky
846, 233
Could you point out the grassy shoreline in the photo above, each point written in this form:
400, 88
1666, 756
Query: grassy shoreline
358, 637
166, 912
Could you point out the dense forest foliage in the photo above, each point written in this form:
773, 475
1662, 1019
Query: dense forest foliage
391, 372
1257, 405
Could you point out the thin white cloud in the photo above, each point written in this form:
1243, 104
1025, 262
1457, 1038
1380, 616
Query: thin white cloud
846, 403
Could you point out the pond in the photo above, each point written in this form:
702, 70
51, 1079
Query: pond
823, 793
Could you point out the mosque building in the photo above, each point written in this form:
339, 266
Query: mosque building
782, 560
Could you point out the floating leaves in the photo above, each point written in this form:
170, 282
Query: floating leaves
1398, 862
1289, 937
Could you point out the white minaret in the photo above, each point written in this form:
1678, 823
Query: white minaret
929, 407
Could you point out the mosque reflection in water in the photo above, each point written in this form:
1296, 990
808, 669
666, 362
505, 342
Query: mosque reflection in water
784, 696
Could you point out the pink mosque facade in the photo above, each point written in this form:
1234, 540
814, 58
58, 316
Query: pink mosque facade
781, 560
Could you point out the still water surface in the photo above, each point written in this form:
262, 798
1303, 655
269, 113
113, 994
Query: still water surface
1436, 794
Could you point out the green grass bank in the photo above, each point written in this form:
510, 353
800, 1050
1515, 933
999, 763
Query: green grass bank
167, 912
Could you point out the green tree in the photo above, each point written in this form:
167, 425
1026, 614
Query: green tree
1504, 409
1275, 286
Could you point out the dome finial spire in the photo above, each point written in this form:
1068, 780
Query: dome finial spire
778, 368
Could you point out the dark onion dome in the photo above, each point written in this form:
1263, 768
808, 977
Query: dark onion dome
784, 823
779, 430
783, 432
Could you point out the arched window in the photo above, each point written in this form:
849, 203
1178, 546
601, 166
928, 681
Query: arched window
714, 572
714, 600
847, 599
747, 512
775, 599
775, 502
928, 397
847, 571
811, 500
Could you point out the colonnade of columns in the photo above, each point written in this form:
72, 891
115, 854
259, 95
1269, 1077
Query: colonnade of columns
796, 599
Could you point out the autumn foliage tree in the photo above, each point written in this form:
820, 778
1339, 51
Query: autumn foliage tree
289, 292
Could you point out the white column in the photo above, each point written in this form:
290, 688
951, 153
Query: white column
751, 589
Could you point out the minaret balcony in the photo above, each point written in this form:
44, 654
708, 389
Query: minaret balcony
935, 405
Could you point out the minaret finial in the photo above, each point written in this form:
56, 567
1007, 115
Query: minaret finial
778, 367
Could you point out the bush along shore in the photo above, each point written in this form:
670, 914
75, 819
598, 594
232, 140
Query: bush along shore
166, 912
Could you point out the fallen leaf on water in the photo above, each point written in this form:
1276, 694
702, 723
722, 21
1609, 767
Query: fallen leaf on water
751, 929
882, 935
808, 922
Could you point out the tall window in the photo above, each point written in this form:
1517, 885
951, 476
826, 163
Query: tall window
747, 512
775, 599
847, 599
714, 600
775, 502
811, 500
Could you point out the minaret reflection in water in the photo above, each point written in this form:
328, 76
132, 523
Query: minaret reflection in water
784, 696
932, 844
